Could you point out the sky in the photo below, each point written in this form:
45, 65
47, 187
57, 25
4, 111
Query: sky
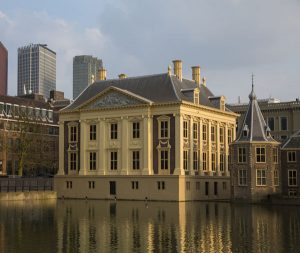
229, 39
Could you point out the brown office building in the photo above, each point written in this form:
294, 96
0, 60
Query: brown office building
3, 69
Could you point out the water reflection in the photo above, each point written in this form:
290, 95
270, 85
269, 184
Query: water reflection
105, 226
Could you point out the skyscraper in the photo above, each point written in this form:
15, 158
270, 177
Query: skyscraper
36, 70
3, 69
85, 70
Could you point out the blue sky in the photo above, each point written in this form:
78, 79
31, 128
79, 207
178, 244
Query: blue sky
229, 39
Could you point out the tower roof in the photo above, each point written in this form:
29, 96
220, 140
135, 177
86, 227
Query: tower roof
254, 127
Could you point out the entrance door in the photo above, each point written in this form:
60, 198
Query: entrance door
112, 187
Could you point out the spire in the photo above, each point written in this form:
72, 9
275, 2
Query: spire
252, 95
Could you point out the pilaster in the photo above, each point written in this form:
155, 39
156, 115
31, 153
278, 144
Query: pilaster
226, 169
147, 146
102, 154
191, 156
209, 148
178, 145
61, 148
83, 156
124, 147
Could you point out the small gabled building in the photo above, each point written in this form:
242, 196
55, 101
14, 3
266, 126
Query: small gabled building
290, 166
254, 163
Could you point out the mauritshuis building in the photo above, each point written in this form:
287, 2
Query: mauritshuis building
157, 137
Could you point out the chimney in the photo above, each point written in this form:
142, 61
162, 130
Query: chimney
102, 74
122, 76
178, 69
196, 74
204, 81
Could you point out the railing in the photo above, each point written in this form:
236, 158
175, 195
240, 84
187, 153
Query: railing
25, 184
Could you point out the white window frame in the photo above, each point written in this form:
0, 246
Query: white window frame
136, 160
113, 161
261, 155
242, 155
185, 160
166, 161
288, 157
276, 177
261, 174
195, 131
92, 160
93, 132
292, 177
185, 129
136, 129
242, 177
160, 120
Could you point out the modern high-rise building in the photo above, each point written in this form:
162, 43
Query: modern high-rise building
85, 72
3, 69
36, 70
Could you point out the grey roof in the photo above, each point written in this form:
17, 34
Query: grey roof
157, 88
254, 124
293, 142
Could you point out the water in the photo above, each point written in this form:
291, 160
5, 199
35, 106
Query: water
124, 226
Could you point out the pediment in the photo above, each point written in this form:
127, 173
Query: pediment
114, 97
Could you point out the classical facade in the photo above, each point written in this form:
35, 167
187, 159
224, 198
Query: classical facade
290, 166
28, 136
157, 137
283, 118
254, 158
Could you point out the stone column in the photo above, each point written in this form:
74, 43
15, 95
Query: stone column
61, 148
218, 149
226, 171
178, 145
124, 147
209, 170
191, 156
147, 146
102, 154
201, 147
83, 155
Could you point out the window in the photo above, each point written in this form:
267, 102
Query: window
185, 129
204, 161
197, 186
275, 155
224, 186
222, 162
113, 160
241, 155
291, 156
213, 133
242, 177
114, 131
92, 160
73, 161
216, 188
196, 97
260, 154
276, 178
136, 160
229, 136
73, 133
91, 184
164, 129
69, 184
195, 131
206, 188
221, 134
283, 124
135, 185
187, 186
195, 160
271, 123
204, 132
292, 177
185, 160
213, 162
261, 177
93, 131
164, 159
160, 185
136, 130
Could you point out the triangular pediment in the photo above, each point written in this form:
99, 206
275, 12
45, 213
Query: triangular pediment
115, 97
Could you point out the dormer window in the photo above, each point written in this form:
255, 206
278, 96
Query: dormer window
245, 131
268, 131
196, 97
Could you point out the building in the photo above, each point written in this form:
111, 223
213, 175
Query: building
290, 164
254, 157
36, 70
3, 69
156, 137
28, 136
85, 72
283, 118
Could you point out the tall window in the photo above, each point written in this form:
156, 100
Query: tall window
275, 155
292, 177
241, 155
185, 160
261, 177
213, 133
195, 131
222, 162
114, 131
260, 154
196, 97
271, 123
283, 124
93, 131
136, 130
164, 129
204, 161
213, 162
291, 156
195, 160
164, 159
73, 161
242, 177
276, 178
229, 136
73, 133
185, 129
221, 134
113, 160
136, 160
204, 132
92, 160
